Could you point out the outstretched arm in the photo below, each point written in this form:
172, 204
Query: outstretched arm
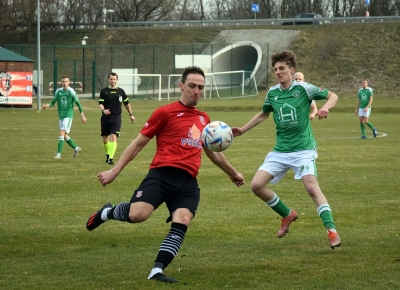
218, 158
127, 156
257, 119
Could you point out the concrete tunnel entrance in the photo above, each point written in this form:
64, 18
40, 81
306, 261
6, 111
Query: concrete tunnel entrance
236, 57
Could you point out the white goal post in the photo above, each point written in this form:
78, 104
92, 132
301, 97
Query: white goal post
205, 90
134, 77
164, 86
216, 80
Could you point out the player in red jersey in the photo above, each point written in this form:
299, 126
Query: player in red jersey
172, 175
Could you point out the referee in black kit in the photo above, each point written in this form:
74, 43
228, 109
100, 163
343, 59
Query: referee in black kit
110, 104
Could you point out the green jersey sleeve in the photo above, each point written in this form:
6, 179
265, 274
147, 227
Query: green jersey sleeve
77, 102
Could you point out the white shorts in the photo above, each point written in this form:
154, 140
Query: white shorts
301, 162
362, 113
65, 124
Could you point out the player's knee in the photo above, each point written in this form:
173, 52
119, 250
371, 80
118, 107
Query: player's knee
257, 187
138, 216
183, 220
313, 191
182, 216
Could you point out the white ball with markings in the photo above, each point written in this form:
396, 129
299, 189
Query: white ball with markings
217, 136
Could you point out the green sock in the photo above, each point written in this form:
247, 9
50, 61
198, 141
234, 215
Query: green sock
112, 147
71, 142
370, 125
324, 212
278, 206
363, 129
60, 144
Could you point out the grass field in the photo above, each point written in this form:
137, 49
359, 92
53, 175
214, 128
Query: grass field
231, 244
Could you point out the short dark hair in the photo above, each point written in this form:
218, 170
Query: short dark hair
287, 56
65, 77
112, 74
191, 70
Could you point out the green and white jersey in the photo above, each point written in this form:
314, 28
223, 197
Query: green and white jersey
291, 110
365, 95
65, 102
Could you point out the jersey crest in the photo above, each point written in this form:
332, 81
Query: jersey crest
202, 120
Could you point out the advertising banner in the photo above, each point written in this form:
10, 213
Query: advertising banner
16, 88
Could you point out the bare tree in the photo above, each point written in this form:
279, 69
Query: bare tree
23, 12
6, 19
94, 12
74, 13
50, 14
143, 10
183, 9
201, 9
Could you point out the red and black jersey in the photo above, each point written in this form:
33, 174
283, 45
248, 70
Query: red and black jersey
112, 99
178, 136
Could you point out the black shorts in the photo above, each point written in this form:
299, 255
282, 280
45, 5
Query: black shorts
174, 186
110, 124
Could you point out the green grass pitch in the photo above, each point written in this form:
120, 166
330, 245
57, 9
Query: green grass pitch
231, 244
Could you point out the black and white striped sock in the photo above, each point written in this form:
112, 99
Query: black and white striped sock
171, 244
120, 212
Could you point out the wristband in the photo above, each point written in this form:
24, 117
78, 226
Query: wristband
130, 114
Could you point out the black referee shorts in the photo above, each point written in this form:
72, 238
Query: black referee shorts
110, 124
174, 186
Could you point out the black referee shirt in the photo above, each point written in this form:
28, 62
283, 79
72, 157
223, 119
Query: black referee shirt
112, 98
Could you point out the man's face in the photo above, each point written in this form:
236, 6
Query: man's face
298, 77
283, 72
65, 83
192, 89
365, 84
112, 81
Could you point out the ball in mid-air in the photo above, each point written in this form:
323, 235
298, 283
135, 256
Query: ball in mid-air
217, 136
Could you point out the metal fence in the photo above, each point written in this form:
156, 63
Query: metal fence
88, 66
247, 22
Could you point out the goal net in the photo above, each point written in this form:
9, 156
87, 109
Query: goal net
219, 85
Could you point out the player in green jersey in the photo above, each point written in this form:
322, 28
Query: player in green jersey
363, 108
65, 98
289, 102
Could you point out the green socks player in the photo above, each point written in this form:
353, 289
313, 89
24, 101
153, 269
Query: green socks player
70, 142
289, 216
364, 134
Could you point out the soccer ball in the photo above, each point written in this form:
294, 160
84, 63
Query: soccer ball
217, 136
